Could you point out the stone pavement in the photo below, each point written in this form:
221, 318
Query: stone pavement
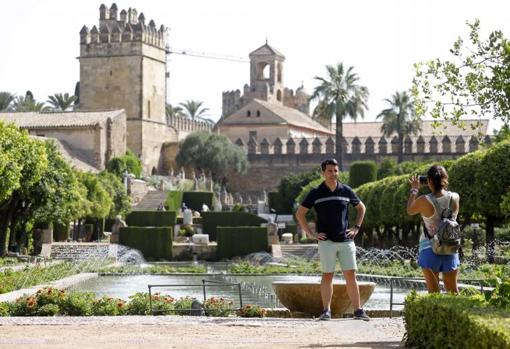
128, 332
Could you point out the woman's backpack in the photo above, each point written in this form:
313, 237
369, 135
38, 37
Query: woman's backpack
447, 239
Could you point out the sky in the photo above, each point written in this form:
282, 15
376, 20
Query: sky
381, 39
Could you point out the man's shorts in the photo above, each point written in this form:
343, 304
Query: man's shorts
438, 263
330, 251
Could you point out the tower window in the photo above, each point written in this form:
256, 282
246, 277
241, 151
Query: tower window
248, 113
149, 109
279, 95
258, 113
111, 72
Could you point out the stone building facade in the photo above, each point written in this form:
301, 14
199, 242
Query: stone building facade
90, 138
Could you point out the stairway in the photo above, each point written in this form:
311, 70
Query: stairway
306, 251
151, 200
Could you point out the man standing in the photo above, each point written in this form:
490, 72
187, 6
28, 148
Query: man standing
330, 200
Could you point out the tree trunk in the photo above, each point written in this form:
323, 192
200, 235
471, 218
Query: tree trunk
339, 151
490, 238
400, 148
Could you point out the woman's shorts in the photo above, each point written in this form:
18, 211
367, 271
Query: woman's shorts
438, 263
330, 252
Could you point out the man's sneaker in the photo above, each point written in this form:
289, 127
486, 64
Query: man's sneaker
361, 315
325, 316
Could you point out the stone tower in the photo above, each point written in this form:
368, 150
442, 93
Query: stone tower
266, 74
266, 83
123, 66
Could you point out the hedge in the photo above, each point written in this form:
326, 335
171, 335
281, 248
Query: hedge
174, 201
448, 321
152, 242
193, 200
211, 220
239, 241
60, 232
362, 172
151, 219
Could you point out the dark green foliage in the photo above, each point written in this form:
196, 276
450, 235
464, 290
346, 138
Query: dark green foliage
195, 199
387, 167
60, 232
362, 172
213, 153
291, 228
152, 242
239, 241
447, 321
174, 200
275, 202
128, 162
151, 219
211, 220
115, 188
289, 188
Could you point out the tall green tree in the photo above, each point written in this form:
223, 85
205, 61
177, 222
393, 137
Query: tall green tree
475, 82
193, 109
6, 99
341, 96
399, 118
61, 102
214, 153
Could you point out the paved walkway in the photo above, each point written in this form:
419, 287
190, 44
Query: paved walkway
128, 332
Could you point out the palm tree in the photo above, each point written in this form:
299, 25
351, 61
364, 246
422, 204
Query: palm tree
340, 96
399, 118
27, 104
193, 109
61, 102
172, 112
6, 98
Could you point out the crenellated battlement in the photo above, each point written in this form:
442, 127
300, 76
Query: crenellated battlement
362, 145
118, 31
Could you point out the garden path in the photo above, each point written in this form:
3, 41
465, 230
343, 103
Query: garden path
196, 332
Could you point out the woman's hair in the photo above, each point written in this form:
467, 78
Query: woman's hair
438, 176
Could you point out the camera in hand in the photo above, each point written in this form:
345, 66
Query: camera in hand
423, 179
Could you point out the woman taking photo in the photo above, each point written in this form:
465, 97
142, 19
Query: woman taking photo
432, 264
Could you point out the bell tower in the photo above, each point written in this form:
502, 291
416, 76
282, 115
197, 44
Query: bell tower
266, 74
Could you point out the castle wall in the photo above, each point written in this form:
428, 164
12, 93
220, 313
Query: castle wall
267, 166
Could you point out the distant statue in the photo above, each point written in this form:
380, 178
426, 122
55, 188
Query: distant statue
205, 208
187, 216
264, 195
119, 223
171, 171
183, 174
217, 203
196, 185
161, 207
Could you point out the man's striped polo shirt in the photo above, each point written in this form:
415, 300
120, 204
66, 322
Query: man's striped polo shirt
332, 209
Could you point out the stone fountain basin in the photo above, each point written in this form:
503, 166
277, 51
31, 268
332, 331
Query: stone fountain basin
305, 297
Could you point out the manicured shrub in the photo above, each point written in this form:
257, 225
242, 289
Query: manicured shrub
239, 241
447, 321
195, 199
151, 219
152, 242
361, 172
174, 201
211, 220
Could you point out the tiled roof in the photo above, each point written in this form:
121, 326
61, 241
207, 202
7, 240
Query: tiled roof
285, 115
373, 129
266, 50
30, 120
74, 158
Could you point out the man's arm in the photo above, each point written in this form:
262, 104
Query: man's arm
360, 215
301, 218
